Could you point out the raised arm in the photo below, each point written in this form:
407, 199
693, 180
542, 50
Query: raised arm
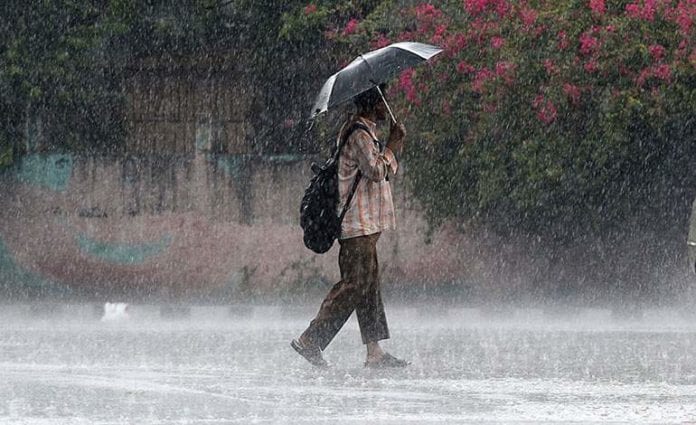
372, 164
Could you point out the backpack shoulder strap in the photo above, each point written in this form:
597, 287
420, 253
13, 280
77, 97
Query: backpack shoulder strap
354, 126
350, 196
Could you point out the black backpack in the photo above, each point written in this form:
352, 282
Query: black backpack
318, 218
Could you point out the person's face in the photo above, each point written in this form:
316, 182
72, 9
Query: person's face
381, 110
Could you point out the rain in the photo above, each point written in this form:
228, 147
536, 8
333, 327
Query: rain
155, 165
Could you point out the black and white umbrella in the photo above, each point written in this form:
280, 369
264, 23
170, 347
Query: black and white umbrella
369, 70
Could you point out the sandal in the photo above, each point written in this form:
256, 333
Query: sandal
311, 354
386, 361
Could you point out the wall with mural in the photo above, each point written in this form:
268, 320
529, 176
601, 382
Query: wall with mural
214, 227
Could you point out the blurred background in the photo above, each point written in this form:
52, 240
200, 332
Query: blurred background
158, 152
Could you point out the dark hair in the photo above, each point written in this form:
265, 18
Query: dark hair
368, 99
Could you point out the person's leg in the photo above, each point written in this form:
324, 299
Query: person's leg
371, 315
370, 308
354, 257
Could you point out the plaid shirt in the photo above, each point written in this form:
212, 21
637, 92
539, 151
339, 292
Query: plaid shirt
371, 209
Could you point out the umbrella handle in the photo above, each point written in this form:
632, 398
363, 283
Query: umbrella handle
387, 104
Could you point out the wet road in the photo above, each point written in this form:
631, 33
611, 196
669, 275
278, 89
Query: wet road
220, 366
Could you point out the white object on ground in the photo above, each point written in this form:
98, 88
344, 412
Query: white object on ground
115, 311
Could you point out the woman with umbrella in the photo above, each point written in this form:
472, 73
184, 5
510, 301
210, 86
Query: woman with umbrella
363, 169
370, 213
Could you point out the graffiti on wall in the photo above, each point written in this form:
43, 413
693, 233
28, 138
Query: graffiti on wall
210, 227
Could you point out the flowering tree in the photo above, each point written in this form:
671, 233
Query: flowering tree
567, 120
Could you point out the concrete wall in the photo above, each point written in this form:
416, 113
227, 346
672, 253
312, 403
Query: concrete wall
212, 226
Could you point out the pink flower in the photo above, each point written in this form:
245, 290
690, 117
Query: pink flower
591, 66
351, 27
482, 26
310, 8
441, 29
539, 30
455, 43
633, 10
502, 8
680, 53
563, 42
475, 7
427, 13
407, 85
573, 93
405, 36
465, 68
288, 123
598, 7
382, 41
684, 15
412, 96
663, 72
646, 11
480, 79
528, 16
505, 70
497, 42
551, 68
406, 79
656, 51
587, 43
501, 68
548, 113
546, 110
643, 76
427, 10
438, 35
649, 8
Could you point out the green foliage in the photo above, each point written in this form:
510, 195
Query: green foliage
550, 119
55, 68
305, 23
64, 63
568, 123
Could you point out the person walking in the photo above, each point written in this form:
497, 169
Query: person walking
370, 212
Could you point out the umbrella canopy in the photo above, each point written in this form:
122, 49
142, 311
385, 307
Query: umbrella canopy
370, 69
